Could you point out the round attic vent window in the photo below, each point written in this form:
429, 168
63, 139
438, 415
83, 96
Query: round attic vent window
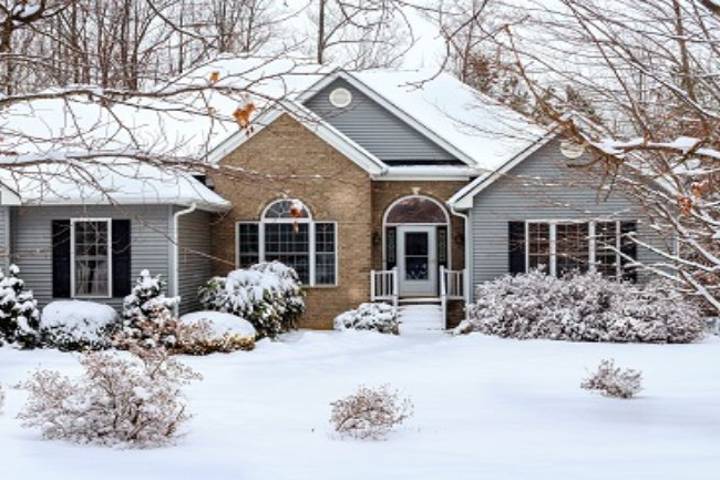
572, 150
340, 97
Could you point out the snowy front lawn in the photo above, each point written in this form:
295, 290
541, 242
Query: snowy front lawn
484, 408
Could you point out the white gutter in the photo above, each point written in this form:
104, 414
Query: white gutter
175, 287
468, 260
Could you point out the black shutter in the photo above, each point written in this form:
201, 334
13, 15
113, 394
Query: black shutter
442, 246
628, 247
390, 247
121, 280
516, 244
60, 235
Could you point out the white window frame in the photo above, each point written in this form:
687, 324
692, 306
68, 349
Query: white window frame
73, 222
311, 241
553, 223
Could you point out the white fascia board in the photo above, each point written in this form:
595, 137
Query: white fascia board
427, 173
463, 198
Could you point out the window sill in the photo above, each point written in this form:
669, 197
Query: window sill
319, 287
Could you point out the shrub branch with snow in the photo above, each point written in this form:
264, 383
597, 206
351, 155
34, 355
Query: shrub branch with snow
379, 317
19, 315
268, 295
147, 303
133, 402
370, 413
582, 307
613, 381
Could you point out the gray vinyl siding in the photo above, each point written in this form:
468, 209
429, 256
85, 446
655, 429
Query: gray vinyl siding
5, 240
542, 187
195, 266
32, 248
376, 129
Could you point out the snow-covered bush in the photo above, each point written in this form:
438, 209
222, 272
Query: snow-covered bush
159, 330
133, 402
202, 333
147, 303
370, 413
78, 325
268, 295
379, 317
583, 307
19, 315
613, 381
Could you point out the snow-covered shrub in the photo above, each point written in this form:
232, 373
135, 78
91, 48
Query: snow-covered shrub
78, 325
158, 330
370, 413
133, 402
147, 303
202, 333
379, 317
583, 307
613, 381
268, 295
19, 315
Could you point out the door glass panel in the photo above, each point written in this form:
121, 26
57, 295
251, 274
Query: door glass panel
416, 256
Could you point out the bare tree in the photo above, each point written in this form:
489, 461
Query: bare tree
650, 74
369, 33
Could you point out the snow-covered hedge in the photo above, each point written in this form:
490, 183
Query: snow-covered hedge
379, 317
268, 295
613, 381
584, 307
208, 332
19, 315
125, 401
78, 325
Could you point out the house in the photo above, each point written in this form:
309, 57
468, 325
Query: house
375, 186
410, 186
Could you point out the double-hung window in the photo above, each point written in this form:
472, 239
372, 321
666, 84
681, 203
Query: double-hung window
90, 262
287, 233
562, 247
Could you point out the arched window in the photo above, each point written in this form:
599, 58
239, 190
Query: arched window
287, 233
416, 209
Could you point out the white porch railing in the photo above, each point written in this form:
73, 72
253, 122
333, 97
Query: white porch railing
453, 286
384, 285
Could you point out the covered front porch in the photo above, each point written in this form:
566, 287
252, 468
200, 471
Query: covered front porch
419, 241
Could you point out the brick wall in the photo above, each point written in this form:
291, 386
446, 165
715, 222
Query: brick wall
288, 159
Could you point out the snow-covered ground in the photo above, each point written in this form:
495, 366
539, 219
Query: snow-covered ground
484, 408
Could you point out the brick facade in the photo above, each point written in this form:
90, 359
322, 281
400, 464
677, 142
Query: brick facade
287, 159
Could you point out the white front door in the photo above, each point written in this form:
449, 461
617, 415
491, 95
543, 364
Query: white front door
417, 261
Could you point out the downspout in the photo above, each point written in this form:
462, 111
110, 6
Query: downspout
175, 286
468, 260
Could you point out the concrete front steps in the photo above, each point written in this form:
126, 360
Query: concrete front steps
420, 317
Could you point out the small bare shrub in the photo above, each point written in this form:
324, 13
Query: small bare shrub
133, 402
613, 381
370, 413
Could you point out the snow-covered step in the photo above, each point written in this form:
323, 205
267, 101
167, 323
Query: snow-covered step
420, 319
